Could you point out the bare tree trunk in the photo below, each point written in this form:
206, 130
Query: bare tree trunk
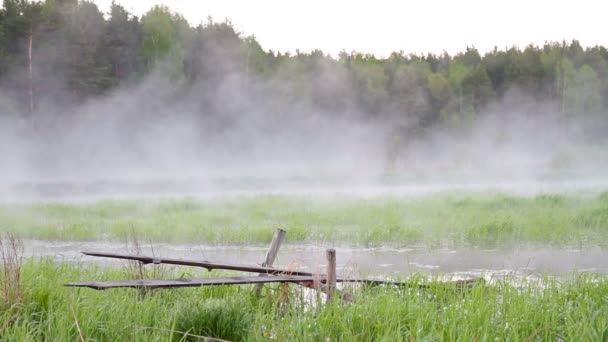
31, 73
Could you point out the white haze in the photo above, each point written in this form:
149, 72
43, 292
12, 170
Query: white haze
154, 138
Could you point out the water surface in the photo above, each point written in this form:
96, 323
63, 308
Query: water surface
530, 261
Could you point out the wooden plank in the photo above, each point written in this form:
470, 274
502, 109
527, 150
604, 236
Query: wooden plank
271, 254
308, 280
195, 282
331, 274
187, 282
204, 264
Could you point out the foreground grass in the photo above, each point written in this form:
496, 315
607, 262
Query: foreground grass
486, 219
571, 309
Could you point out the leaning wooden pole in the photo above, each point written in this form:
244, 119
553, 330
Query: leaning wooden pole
271, 254
204, 264
331, 274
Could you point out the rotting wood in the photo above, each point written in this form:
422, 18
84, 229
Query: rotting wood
197, 282
204, 264
331, 274
273, 250
187, 282
274, 274
271, 254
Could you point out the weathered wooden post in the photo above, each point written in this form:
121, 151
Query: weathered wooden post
271, 254
331, 274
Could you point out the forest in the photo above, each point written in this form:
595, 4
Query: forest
57, 54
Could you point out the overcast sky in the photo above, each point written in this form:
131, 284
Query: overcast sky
383, 26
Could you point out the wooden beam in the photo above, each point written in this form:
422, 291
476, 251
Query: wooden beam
187, 282
271, 254
331, 274
204, 264
308, 279
196, 282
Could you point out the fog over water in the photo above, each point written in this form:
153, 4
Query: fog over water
245, 133
134, 143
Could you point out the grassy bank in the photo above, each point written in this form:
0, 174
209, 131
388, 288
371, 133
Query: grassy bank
569, 309
486, 219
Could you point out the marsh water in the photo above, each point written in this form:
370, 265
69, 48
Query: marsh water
525, 260
528, 261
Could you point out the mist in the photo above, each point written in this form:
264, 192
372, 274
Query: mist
136, 134
229, 127
228, 140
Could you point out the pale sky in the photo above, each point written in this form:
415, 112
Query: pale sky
383, 26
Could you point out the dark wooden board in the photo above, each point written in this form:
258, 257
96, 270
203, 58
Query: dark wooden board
189, 282
268, 275
196, 282
204, 264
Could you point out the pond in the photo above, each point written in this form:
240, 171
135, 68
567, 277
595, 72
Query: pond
526, 261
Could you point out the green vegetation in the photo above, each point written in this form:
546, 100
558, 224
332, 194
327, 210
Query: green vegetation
572, 309
456, 219
63, 61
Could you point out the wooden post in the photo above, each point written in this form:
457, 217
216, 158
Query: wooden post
331, 274
271, 254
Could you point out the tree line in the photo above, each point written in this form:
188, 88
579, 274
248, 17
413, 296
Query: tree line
64, 52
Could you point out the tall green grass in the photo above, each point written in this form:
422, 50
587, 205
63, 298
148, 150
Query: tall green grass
570, 309
465, 219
